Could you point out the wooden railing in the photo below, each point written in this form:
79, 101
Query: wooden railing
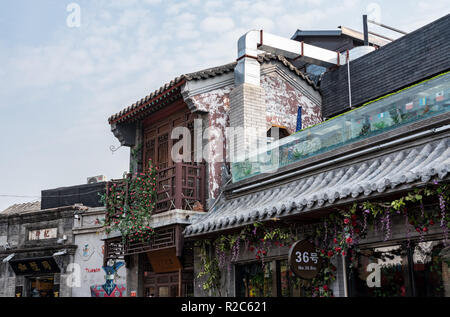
181, 186
163, 238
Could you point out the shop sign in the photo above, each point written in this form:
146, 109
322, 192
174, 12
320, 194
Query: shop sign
164, 261
35, 266
43, 234
304, 260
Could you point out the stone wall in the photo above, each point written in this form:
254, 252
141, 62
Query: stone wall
14, 229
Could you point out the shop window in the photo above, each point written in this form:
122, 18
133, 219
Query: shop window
163, 291
382, 272
254, 280
431, 270
272, 279
43, 287
289, 284
418, 269
279, 132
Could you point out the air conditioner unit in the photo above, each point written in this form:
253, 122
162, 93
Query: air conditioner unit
96, 179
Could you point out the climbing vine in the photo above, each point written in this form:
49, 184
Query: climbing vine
210, 268
336, 234
129, 205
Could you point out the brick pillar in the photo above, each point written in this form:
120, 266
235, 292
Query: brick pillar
247, 112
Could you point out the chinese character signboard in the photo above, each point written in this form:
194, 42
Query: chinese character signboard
35, 266
304, 260
43, 234
164, 261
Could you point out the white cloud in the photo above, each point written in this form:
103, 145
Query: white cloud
217, 24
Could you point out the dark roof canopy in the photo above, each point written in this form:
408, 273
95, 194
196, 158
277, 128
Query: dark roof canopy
412, 58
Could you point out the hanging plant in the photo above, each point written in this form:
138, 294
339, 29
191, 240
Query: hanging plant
129, 205
336, 234
210, 268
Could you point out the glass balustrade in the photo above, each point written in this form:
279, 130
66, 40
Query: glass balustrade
418, 102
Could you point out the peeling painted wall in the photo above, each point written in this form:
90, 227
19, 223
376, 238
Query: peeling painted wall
217, 104
282, 102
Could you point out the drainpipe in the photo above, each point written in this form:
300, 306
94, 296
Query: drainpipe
344, 269
349, 82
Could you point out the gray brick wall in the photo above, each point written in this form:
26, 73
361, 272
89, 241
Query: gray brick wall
248, 111
410, 59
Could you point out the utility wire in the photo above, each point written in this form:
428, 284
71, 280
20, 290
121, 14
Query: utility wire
71, 195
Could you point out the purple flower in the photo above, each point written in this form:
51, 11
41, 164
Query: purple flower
443, 220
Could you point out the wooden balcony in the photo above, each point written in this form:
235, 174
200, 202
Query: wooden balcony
181, 186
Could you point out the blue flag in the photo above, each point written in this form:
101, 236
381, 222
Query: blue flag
299, 119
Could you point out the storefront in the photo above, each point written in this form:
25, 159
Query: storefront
161, 267
402, 269
274, 278
386, 162
40, 257
166, 275
386, 216
40, 277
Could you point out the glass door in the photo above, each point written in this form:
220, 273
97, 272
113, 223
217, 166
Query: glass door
41, 287
408, 269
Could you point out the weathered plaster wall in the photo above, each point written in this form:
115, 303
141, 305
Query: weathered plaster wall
282, 102
284, 93
217, 104
88, 233
7, 280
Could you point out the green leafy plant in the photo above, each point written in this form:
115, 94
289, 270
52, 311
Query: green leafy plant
129, 204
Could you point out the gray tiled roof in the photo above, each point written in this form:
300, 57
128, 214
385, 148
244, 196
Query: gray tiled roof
208, 73
357, 181
22, 208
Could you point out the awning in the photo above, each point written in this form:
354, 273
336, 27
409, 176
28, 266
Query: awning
44, 265
359, 180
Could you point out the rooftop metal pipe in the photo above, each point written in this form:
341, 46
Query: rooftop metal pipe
248, 68
366, 30
387, 27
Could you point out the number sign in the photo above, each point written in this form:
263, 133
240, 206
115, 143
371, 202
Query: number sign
304, 260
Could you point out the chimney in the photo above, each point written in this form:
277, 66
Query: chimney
247, 101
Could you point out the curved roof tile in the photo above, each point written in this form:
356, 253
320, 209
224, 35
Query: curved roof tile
208, 73
376, 175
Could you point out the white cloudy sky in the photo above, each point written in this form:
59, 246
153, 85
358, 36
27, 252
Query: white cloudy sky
58, 85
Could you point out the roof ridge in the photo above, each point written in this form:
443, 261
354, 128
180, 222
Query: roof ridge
208, 73
22, 207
